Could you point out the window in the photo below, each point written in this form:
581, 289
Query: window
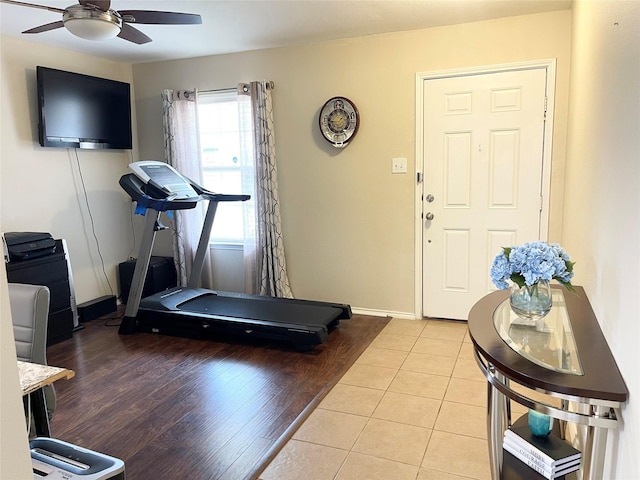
220, 143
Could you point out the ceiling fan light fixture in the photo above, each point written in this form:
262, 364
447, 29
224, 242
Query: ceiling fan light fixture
92, 24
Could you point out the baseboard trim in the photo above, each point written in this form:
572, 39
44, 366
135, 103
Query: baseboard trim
384, 313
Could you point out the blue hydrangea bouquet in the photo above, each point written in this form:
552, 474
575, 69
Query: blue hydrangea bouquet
530, 268
531, 262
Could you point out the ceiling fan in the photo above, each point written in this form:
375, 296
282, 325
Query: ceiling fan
96, 20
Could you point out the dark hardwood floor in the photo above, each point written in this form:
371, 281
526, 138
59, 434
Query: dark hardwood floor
176, 408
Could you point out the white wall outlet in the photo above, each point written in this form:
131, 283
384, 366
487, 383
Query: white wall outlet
398, 165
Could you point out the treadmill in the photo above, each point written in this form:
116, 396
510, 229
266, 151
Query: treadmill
201, 313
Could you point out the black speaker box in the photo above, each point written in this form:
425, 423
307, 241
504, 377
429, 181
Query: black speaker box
97, 308
161, 275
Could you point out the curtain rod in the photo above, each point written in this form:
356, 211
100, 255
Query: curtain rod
229, 89
270, 86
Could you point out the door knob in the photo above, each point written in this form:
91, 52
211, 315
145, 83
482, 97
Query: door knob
429, 216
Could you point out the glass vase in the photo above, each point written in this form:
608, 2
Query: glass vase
531, 302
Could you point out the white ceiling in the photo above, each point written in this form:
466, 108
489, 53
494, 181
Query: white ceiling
239, 25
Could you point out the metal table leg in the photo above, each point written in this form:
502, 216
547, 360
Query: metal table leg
39, 412
496, 421
595, 447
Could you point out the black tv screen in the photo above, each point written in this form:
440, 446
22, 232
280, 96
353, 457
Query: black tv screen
80, 111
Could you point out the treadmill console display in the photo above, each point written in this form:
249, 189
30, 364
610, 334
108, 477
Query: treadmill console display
164, 178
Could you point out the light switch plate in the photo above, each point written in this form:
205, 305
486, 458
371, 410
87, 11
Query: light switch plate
398, 165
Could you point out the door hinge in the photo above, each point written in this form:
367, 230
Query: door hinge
545, 106
419, 177
541, 202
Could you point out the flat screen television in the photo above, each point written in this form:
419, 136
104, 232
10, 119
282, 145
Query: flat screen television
80, 111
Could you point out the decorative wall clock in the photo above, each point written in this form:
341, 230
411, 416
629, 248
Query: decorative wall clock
339, 121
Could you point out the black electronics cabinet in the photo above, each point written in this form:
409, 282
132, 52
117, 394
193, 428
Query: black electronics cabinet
51, 271
161, 275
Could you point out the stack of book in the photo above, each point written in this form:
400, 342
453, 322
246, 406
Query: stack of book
550, 456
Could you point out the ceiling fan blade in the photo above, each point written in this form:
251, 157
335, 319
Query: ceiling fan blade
133, 35
45, 28
152, 17
32, 5
103, 5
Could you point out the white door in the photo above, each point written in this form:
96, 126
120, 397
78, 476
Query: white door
483, 145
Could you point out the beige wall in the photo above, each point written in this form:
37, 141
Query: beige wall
42, 188
601, 228
14, 454
348, 222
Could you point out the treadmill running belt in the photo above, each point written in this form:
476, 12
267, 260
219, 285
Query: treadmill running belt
256, 309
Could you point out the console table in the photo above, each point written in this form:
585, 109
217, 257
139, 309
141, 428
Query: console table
564, 356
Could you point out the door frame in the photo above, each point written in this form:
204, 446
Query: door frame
550, 66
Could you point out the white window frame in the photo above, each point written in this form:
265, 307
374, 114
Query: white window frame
207, 98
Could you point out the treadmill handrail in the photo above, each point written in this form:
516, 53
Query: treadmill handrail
217, 197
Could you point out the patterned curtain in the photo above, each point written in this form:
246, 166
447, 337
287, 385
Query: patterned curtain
182, 151
265, 266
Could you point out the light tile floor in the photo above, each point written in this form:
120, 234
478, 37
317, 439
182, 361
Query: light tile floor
412, 407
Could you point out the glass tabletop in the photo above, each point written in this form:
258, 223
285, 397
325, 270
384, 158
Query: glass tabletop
548, 342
